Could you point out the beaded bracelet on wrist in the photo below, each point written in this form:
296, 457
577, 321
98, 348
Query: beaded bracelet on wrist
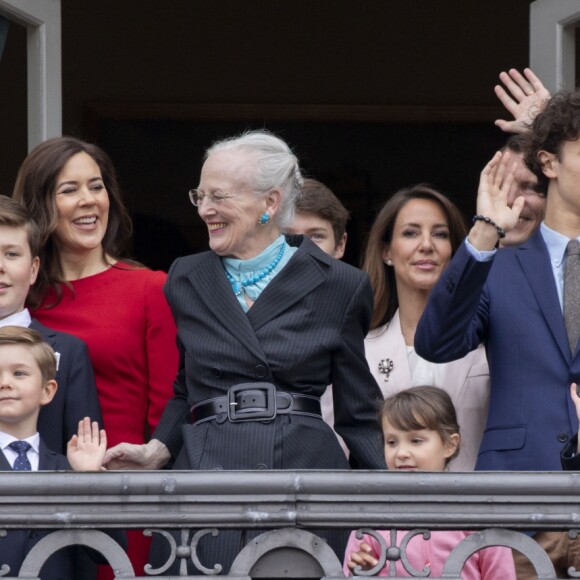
482, 218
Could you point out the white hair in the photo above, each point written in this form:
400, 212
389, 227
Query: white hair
276, 167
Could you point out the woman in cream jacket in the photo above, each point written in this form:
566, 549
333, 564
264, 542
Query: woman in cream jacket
410, 243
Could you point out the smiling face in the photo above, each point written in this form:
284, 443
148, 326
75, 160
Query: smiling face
320, 231
22, 391
525, 183
416, 450
233, 227
420, 247
18, 269
82, 203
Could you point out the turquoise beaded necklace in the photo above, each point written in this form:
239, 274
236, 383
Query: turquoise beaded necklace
238, 287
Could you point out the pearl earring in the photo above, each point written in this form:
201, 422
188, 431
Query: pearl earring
388, 262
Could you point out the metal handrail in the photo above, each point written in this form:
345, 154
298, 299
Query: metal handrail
289, 504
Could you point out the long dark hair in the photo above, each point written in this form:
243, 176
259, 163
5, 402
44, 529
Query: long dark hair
383, 278
35, 189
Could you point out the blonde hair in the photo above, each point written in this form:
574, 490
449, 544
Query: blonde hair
42, 352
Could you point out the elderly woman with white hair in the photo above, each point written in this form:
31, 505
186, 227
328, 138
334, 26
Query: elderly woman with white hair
265, 322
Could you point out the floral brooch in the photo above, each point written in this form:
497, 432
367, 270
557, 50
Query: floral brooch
385, 367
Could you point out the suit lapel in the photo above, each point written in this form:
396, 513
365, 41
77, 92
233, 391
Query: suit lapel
47, 459
301, 275
213, 288
534, 259
455, 374
388, 344
4, 465
48, 335
400, 377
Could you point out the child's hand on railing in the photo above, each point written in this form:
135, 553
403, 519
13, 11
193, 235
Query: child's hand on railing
364, 558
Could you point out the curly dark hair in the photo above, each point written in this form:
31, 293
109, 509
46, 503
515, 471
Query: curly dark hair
558, 122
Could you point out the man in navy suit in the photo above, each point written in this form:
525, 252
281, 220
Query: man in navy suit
512, 300
77, 392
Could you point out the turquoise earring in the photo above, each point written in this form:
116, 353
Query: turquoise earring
264, 219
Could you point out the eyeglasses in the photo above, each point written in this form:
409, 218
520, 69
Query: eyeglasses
197, 196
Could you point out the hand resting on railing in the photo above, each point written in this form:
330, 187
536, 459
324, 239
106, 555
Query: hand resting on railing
363, 558
152, 455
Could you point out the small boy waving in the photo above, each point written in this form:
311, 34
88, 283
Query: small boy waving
27, 384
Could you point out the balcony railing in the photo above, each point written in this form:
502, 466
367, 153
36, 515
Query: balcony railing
285, 505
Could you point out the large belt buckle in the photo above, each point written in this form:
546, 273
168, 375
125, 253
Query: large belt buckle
269, 411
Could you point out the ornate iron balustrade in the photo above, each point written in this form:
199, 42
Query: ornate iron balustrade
288, 504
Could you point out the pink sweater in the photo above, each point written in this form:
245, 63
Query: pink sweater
488, 564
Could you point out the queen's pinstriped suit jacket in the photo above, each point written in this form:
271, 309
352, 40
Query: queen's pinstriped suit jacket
306, 330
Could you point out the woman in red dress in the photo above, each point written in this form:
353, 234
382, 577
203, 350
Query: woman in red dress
87, 289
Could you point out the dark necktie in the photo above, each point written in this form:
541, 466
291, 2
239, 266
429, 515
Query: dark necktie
22, 463
572, 293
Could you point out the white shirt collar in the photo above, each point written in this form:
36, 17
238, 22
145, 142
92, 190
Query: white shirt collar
21, 318
6, 439
556, 244
33, 453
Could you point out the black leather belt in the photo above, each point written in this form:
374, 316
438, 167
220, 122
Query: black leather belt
255, 402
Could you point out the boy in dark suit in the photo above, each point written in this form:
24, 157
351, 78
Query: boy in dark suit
77, 393
27, 371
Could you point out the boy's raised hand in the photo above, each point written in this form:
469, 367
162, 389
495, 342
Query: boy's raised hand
363, 558
85, 451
